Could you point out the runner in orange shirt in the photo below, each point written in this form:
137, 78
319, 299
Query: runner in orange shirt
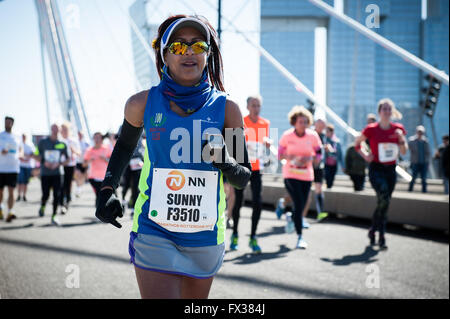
256, 135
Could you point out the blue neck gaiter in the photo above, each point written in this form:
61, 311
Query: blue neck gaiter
189, 98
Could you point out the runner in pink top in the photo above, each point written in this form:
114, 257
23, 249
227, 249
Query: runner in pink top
97, 158
299, 147
299, 152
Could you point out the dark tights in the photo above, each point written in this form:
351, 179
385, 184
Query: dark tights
48, 182
383, 179
256, 186
299, 192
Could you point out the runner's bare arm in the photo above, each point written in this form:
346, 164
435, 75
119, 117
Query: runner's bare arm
402, 143
368, 157
233, 115
135, 107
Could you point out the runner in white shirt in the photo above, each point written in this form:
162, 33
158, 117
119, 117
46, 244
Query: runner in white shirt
10, 151
80, 170
73, 150
27, 164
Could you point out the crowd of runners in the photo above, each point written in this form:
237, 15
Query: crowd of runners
63, 159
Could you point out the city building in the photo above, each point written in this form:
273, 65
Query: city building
358, 72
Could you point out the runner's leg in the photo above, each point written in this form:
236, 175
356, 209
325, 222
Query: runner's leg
10, 197
56, 185
45, 187
194, 288
239, 196
157, 285
256, 185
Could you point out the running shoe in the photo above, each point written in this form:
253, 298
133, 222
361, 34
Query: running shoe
63, 209
290, 226
234, 242
55, 221
382, 243
321, 216
280, 210
10, 217
305, 224
253, 243
41, 211
372, 237
1, 214
301, 243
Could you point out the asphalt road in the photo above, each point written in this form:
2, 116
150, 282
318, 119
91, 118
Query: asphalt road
84, 258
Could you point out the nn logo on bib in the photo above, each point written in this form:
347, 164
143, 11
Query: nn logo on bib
175, 181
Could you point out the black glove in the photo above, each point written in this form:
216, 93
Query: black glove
216, 153
237, 174
109, 207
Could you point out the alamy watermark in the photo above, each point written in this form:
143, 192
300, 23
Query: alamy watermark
72, 17
191, 146
73, 278
373, 277
373, 19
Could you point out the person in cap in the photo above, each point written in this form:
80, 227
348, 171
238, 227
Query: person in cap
177, 240
420, 157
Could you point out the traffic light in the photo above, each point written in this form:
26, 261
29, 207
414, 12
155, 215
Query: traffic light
431, 95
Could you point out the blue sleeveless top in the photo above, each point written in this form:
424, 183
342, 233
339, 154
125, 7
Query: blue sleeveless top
182, 197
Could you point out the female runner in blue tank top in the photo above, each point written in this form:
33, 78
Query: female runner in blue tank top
177, 240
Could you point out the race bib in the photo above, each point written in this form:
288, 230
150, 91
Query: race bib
184, 200
297, 170
51, 156
136, 164
387, 152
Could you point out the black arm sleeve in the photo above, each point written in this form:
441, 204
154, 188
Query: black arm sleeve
121, 155
236, 168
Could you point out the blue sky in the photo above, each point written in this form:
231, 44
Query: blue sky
99, 41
